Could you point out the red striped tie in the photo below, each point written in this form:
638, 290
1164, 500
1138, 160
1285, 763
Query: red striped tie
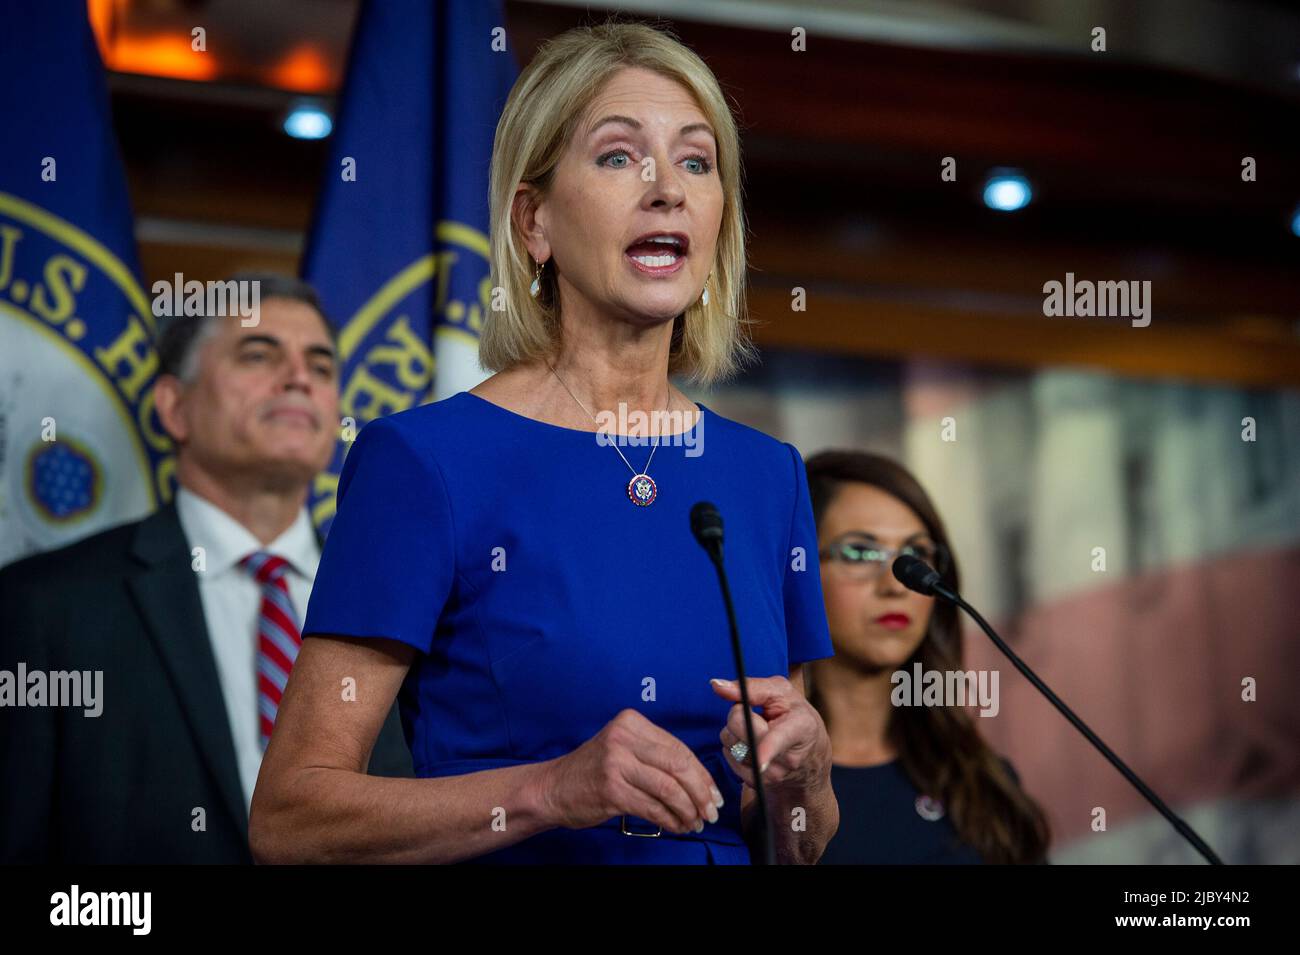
278, 636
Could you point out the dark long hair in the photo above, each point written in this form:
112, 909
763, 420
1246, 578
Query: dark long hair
939, 747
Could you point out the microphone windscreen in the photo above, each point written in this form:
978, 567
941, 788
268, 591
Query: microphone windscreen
915, 574
706, 523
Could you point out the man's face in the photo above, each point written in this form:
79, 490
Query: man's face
264, 400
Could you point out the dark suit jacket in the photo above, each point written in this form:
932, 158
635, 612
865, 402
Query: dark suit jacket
124, 786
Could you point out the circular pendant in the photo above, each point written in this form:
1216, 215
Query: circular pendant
642, 490
929, 809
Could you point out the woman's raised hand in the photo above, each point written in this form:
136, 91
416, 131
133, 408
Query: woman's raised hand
793, 746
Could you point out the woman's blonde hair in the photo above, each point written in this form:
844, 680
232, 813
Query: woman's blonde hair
710, 342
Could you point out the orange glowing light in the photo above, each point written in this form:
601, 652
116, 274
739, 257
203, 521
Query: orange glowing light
124, 47
304, 69
162, 55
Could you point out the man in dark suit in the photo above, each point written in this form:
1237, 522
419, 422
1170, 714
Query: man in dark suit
189, 617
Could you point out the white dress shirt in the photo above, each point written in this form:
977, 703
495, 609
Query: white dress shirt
232, 600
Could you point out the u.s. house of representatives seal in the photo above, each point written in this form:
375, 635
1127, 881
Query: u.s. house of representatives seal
80, 444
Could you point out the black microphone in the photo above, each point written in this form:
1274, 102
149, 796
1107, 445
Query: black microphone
706, 525
916, 575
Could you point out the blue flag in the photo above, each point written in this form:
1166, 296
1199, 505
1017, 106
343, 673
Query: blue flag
80, 444
399, 248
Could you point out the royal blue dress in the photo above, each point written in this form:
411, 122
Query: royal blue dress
542, 601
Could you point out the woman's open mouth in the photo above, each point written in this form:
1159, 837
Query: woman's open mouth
658, 253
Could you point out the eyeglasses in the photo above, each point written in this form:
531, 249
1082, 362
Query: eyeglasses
863, 559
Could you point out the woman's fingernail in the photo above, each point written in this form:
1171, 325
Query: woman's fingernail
712, 814
720, 682
699, 826
763, 768
717, 797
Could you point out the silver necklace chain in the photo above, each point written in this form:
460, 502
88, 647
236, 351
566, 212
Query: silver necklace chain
635, 472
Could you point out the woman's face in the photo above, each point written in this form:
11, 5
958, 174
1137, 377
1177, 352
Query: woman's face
875, 622
642, 161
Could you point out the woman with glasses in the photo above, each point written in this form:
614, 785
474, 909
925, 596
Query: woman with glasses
915, 784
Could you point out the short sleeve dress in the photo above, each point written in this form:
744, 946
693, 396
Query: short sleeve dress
542, 601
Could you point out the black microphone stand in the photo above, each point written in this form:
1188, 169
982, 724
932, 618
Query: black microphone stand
908, 572
712, 544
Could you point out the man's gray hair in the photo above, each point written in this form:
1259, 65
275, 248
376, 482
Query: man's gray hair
183, 336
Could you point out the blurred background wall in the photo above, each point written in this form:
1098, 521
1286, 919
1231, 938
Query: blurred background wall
923, 320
